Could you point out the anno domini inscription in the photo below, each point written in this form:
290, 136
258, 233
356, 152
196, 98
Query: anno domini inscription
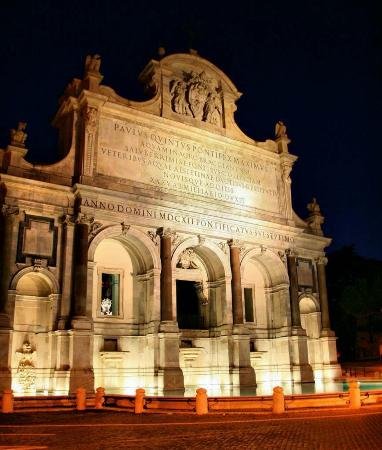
168, 162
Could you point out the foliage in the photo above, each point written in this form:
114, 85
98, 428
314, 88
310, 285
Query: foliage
355, 291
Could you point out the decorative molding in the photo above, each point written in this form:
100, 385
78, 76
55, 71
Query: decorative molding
223, 245
39, 264
8, 210
94, 228
201, 239
187, 259
90, 116
153, 236
24, 226
125, 227
283, 256
322, 260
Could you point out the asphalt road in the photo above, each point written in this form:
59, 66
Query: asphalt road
115, 429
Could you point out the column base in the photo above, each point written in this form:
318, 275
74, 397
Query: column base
244, 378
173, 382
302, 373
327, 332
5, 371
168, 326
81, 323
83, 378
5, 322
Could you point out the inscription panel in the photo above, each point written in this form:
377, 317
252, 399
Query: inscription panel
163, 216
168, 162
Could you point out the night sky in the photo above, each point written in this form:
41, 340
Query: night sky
316, 65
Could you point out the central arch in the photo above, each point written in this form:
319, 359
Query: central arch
124, 279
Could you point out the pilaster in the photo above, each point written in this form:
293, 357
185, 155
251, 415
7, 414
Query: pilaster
237, 300
323, 292
293, 288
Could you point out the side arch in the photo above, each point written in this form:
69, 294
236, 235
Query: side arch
139, 243
45, 273
270, 264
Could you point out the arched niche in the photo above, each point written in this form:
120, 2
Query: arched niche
265, 286
310, 316
201, 274
124, 270
35, 295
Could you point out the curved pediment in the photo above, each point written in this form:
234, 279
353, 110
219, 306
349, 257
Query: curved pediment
194, 91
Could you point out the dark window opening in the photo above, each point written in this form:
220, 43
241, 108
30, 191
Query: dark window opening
110, 294
248, 303
190, 309
110, 345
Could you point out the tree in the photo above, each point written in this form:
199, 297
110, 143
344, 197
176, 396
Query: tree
355, 290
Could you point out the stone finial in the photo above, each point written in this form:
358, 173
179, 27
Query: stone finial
18, 137
93, 63
281, 137
161, 52
280, 130
92, 75
315, 218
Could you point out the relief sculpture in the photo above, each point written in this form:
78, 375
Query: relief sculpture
197, 96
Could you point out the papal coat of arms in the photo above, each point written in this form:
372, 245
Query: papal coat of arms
197, 96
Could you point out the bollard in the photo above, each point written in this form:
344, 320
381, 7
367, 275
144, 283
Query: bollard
81, 399
99, 398
354, 395
7, 401
201, 401
278, 406
139, 401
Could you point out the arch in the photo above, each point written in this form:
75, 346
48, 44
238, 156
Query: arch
44, 274
142, 249
270, 264
308, 304
215, 260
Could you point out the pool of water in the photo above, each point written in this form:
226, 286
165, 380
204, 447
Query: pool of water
264, 389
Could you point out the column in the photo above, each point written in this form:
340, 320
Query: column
321, 275
299, 358
81, 335
169, 373
9, 219
237, 301
293, 288
80, 268
8, 242
67, 230
166, 274
243, 377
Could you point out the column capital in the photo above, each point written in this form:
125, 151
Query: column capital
165, 232
84, 219
235, 243
67, 220
291, 252
8, 210
322, 260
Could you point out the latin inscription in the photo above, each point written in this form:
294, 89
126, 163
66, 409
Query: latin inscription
166, 162
195, 220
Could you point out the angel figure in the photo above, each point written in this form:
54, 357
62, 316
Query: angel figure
280, 130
